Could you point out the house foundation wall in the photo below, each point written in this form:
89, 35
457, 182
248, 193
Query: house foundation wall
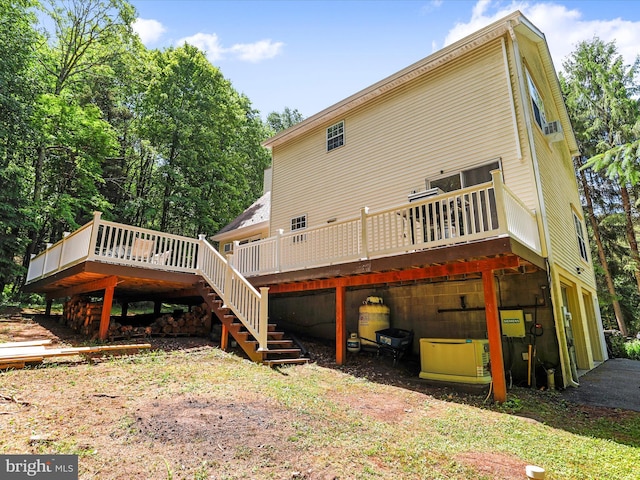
453, 309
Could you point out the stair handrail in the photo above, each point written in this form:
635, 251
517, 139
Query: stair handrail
249, 305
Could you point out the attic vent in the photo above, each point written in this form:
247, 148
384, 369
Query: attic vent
553, 130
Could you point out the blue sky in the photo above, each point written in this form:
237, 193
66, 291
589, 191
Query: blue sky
309, 55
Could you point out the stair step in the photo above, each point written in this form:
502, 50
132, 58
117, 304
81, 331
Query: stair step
282, 351
286, 361
283, 343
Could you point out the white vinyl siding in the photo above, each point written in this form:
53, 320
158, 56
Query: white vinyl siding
456, 116
558, 181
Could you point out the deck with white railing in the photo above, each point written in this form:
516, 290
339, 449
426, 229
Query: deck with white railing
463, 216
476, 213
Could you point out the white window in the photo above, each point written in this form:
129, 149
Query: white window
536, 103
299, 223
335, 136
582, 243
228, 247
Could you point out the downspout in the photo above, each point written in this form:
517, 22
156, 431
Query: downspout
564, 360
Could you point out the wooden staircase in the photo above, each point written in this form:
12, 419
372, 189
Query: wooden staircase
280, 350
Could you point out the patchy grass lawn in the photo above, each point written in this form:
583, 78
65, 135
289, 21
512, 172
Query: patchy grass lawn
194, 412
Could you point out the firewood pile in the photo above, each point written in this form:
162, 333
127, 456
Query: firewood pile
84, 317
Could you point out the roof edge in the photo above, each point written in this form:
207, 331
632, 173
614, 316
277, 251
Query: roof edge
474, 40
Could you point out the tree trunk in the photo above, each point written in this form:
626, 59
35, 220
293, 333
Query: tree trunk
601, 254
631, 234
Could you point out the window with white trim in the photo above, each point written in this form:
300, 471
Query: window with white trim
299, 223
335, 136
536, 103
582, 242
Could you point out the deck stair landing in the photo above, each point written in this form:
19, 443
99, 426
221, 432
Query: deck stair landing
280, 350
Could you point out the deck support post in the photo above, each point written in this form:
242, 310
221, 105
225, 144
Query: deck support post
224, 338
125, 309
495, 337
105, 318
341, 331
47, 310
157, 307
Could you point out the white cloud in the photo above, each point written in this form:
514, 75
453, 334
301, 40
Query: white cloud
148, 30
249, 52
255, 52
207, 42
563, 27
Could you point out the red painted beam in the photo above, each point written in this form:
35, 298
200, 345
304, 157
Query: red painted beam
495, 337
449, 269
105, 318
341, 325
91, 286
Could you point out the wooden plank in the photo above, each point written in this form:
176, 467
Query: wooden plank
13, 364
68, 351
13, 352
26, 343
495, 337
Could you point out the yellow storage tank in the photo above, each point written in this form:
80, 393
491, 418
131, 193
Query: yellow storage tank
374, 316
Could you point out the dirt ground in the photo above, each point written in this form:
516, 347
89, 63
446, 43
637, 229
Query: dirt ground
204, 428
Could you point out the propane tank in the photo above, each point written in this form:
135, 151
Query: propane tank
551, 380
374, 316
353, 343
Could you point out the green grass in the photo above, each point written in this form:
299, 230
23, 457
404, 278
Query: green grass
333, 423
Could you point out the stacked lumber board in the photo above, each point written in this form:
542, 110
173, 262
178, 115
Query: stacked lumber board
18, 354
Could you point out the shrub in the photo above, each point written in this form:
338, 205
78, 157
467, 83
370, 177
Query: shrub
632, 349
616, 342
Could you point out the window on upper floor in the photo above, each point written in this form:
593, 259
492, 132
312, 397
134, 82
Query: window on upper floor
536, 103
335, 136
582, 242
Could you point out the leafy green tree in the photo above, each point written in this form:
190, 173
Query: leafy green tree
206, 138
281, 121
88, 36
18, 39
599, 90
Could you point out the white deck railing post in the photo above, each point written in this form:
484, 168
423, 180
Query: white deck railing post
201, 239
94, 234
364, 249
228, 282
263, 323
47, 251
278, 248
496, 176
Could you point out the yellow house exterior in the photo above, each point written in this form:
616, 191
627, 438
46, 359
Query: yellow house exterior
490, 102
